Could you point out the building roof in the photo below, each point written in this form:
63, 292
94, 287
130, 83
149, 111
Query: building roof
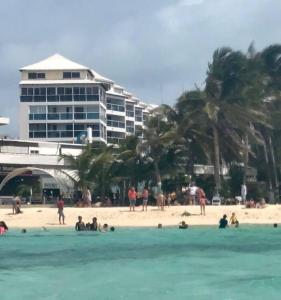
99, 77
54, 62
65, 82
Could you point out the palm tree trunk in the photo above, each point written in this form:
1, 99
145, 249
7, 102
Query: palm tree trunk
270, 192
158, 176
216, 160
246, 158
274, 168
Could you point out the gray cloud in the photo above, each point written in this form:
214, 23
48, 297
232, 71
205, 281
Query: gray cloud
155, 49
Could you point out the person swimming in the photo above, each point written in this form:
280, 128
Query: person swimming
183, 225
80, 225
233, 220
3, 227
223, 222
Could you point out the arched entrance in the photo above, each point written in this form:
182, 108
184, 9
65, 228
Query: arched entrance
64, 178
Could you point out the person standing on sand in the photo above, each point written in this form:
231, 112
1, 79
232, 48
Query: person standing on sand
88, 197
132, 195
144, 199
202, 200
161, 201
60, 206
192, 192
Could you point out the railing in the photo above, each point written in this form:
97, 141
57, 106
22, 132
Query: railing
130, 129
117, 124
115, 107
64, 116
130, 114
59, 98
113, 140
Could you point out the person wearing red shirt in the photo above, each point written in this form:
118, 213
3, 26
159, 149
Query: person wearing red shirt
60, 206
132, 195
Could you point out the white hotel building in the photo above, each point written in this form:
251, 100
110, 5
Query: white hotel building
60, 99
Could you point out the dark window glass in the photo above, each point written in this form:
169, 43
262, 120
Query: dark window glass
89, 90
42, 91
66, 75
75, 74
36, 91
82, 91
60, 91
78, 109
51, 91
76, 90
24, 91
78, 126
95, 90
129, 107
26, 98
41, 75
68, 91
31, 75
30, 91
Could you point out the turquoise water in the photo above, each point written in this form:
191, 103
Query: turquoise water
198, 263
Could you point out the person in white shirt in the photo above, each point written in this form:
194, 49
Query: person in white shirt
192, 192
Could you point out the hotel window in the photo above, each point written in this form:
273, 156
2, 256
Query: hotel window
68, 75
51, 91
36, 75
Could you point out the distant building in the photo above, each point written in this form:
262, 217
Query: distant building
60, 99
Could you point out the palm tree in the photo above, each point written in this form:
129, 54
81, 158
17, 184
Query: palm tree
159, 137
220, 111
81, 165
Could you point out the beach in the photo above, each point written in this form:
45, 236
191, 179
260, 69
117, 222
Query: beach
39, 216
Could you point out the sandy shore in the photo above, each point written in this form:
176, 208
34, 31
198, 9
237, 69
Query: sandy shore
120, 216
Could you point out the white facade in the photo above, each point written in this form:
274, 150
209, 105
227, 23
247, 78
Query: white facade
60, 99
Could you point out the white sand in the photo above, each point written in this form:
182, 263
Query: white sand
120, 216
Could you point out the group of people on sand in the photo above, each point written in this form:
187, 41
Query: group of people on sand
94, 226
133, 195
196, 194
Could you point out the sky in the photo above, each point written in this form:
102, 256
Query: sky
154, 48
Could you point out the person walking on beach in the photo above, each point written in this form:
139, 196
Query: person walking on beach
132, 195
202, 200
60, 206
144, 199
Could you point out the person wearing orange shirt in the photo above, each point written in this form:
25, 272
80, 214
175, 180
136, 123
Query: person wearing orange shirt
132, 195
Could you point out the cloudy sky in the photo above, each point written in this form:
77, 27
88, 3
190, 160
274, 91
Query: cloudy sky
154, 48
